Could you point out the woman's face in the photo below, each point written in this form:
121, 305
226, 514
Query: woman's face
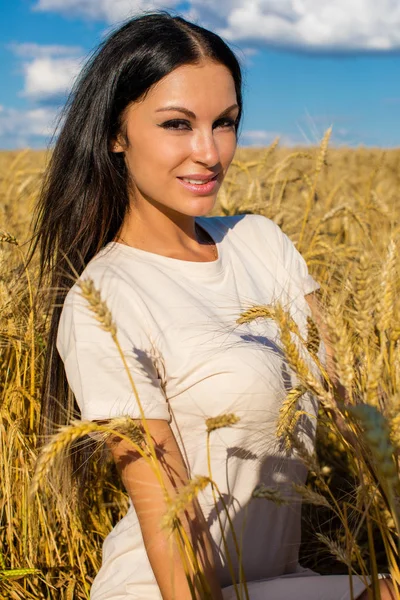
195, 138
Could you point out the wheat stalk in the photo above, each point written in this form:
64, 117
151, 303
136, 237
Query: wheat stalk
269, 493
353, 221
57, 444
313, 337
182, 500
256, 312
225, 420
288, 409
77, 429
8, 238
311, 497
335, 549
97, 305
387, 297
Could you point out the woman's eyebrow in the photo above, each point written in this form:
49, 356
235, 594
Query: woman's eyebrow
191, 114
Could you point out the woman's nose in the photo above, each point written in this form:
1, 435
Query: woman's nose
205, 149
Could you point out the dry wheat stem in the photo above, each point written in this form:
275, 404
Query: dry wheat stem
225, 420
184, 498
272, 494
8, 238
104, 317
67, 435
349, 243
214, 489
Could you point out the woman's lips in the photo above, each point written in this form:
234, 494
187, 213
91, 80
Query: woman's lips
201, 188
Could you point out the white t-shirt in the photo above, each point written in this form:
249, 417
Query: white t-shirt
176, 322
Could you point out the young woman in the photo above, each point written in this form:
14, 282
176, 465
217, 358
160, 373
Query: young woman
149, 135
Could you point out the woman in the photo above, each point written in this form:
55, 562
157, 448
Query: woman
148, 138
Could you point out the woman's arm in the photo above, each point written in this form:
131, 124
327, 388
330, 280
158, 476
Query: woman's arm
147, 496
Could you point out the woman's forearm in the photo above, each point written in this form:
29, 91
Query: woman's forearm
148, 496
168, 564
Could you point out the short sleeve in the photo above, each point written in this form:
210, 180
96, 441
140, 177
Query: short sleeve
290, 268
93, 365
296, 266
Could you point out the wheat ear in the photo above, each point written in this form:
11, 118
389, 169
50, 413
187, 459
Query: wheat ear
225, 420
8, 238
269, 493
183, 499
64, 438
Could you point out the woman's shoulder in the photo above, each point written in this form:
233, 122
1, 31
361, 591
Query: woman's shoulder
102, 291
103, 280
100, 271
249, 226
243, 221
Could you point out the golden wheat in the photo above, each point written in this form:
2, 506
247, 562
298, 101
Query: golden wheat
341, 208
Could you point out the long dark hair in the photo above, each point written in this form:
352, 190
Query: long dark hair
84, 197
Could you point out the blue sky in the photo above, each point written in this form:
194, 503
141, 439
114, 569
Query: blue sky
308, 64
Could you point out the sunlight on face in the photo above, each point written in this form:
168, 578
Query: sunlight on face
165, 145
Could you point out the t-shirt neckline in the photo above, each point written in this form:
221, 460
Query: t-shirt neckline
206, 269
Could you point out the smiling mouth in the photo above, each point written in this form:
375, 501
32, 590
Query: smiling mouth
194, 181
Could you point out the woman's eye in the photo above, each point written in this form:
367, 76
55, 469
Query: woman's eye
175, 124
226, 122
180, 125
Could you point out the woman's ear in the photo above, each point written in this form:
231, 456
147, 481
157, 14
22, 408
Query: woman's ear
120, 142
117, 144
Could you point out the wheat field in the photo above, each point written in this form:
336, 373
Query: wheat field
341, 207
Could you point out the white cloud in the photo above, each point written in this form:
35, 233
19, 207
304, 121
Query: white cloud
260, 136
317, 24
20, 128
49, 69
107, 10
30, 50
313, 25
49, 78
249, 51
49, 72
